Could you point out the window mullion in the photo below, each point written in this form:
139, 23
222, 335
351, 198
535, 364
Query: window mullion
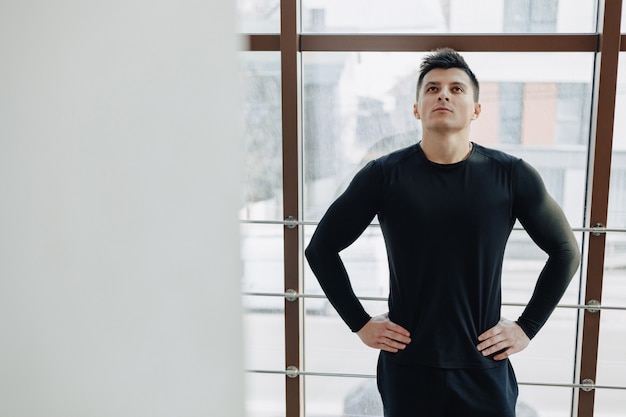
599, 168
289, 50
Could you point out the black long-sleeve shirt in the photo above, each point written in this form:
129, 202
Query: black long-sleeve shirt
445, 228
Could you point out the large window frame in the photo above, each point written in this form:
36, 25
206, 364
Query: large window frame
606, 44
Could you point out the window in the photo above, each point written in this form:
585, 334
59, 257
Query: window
511, 112
530, 16
611, 353
355, 88
261, 243
573, 113
262, 141
259, 16
448, 16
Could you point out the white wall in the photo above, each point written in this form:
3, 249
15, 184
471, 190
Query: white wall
119, 190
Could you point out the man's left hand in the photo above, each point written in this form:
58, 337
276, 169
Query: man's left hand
506, 337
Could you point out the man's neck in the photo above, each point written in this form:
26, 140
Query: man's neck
446, 149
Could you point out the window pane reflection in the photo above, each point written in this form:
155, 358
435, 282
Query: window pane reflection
265, 395
617, 191
449, 16
265, 340
342, 397
331, 347
608, 403
258, 16
550, 357
263, 272
366, 263
523, 262
611, 348
262, 188
538, 401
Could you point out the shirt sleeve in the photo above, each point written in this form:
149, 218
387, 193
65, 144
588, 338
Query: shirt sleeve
548, 227
343, 223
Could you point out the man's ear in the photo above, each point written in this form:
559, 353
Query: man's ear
416, 111
477, 110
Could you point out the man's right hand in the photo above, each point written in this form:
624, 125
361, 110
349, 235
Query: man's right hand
381, 333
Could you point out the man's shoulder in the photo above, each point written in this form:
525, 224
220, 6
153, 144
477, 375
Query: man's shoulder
397, 156
496, 156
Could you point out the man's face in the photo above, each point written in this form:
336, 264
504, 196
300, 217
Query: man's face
446, 101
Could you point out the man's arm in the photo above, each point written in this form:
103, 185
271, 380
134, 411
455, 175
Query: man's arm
343, 223
547, 225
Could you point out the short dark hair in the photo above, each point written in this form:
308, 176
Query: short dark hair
445, 58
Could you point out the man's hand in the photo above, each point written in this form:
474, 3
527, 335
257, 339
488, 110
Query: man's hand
505, 337
381, 333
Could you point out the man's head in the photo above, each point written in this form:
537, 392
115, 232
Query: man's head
446, 58
447, 94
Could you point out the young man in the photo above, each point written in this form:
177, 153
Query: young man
446, 207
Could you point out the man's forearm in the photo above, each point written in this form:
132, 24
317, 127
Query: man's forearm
333, 278
551, 285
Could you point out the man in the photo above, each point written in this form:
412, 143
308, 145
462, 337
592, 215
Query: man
446, 207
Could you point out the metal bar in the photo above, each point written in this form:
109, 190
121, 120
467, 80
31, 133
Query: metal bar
369, 376
291, 296
289, 45
610, 13
295, 223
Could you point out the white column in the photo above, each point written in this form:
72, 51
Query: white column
119, 191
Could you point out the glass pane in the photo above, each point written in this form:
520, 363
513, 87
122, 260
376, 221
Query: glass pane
265, 340
523, 262
258, 16
262, 255
617, 192
265, 395
264, 351
608, 403
611, 349
330, 346
538, 401
449, 16
262, 188
365, 261
550, 357
342, 397
357, 106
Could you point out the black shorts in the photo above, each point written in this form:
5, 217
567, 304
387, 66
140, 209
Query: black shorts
422, 391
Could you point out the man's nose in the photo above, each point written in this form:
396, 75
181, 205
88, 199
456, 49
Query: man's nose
443, 95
